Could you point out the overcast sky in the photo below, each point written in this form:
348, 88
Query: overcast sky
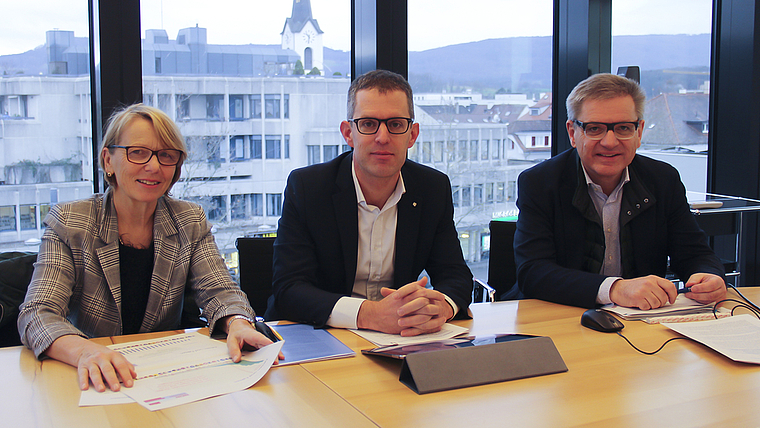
433, 23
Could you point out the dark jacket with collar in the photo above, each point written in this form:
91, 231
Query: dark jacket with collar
559, 240
315, 252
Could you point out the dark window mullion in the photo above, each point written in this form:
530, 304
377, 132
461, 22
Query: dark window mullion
115, 63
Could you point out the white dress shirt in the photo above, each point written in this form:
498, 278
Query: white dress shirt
608, 208
375, 256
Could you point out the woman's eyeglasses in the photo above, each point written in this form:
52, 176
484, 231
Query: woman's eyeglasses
142, 155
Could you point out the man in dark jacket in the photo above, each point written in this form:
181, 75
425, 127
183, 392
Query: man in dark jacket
598, 222
356, 232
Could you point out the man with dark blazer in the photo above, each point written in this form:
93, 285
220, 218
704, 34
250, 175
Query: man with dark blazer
598, 222
356, 232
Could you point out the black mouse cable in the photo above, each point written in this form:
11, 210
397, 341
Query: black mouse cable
751, 309
746, 300
739, 304
747, 304
645, 352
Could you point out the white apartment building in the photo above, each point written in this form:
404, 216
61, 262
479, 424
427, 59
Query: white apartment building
248, 121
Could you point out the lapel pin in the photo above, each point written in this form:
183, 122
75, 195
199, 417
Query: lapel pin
414, 204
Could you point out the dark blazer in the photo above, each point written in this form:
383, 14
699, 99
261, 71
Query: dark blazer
551, 241
315, 251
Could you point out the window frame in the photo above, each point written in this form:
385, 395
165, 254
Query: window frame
581, 45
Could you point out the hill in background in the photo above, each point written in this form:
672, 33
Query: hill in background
515, 64
523, 64
33, 62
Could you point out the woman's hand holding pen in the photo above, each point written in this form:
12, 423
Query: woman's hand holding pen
242, 333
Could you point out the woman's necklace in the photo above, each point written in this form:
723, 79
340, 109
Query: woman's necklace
125, 241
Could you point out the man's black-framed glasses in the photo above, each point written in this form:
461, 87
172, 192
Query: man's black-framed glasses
370, 125
597, 130
142, 155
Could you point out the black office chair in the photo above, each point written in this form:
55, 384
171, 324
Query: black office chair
255, 264
16, 270
502, 270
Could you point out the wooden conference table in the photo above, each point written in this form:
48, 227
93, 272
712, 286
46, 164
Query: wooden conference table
608, 384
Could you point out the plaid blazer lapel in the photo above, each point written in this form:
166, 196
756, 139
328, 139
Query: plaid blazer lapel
167, 249
107, 246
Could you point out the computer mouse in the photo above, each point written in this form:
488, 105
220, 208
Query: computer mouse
599, 320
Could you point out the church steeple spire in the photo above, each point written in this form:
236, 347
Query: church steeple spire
301, 13
303, 35
300, 16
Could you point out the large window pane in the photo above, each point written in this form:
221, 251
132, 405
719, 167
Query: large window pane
238, 85
45, 143
274, 204
312, 153
331, 152
273, 147
481, 73
257, 204
256, 147
7, 218
237, 148
272, 105
237, 103
28, 217
670, 43
238, 207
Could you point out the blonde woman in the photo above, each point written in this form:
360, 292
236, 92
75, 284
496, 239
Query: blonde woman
120, 262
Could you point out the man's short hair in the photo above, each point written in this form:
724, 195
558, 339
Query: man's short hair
604, 86
168, 133
384, 81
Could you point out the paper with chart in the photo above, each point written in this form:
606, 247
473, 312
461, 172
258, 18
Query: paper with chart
183, 368
737, 337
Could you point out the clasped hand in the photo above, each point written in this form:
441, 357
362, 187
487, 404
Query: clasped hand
411, 310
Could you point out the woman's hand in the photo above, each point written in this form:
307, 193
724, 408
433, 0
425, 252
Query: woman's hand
242, 333
94, 362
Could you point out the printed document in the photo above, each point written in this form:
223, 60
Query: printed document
682, 306
183, 368
737, 337
385, 339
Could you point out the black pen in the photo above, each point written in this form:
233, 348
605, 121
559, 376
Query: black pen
684, 290
267, 331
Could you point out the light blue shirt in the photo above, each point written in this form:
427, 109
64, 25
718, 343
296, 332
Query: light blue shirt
608, 208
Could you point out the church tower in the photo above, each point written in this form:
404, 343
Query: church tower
303, 35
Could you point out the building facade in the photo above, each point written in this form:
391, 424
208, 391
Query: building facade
249, 118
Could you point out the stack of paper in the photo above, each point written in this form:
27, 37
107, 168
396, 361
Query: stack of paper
682, 306
386, 339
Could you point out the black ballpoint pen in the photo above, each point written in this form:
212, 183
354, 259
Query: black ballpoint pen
267, 331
